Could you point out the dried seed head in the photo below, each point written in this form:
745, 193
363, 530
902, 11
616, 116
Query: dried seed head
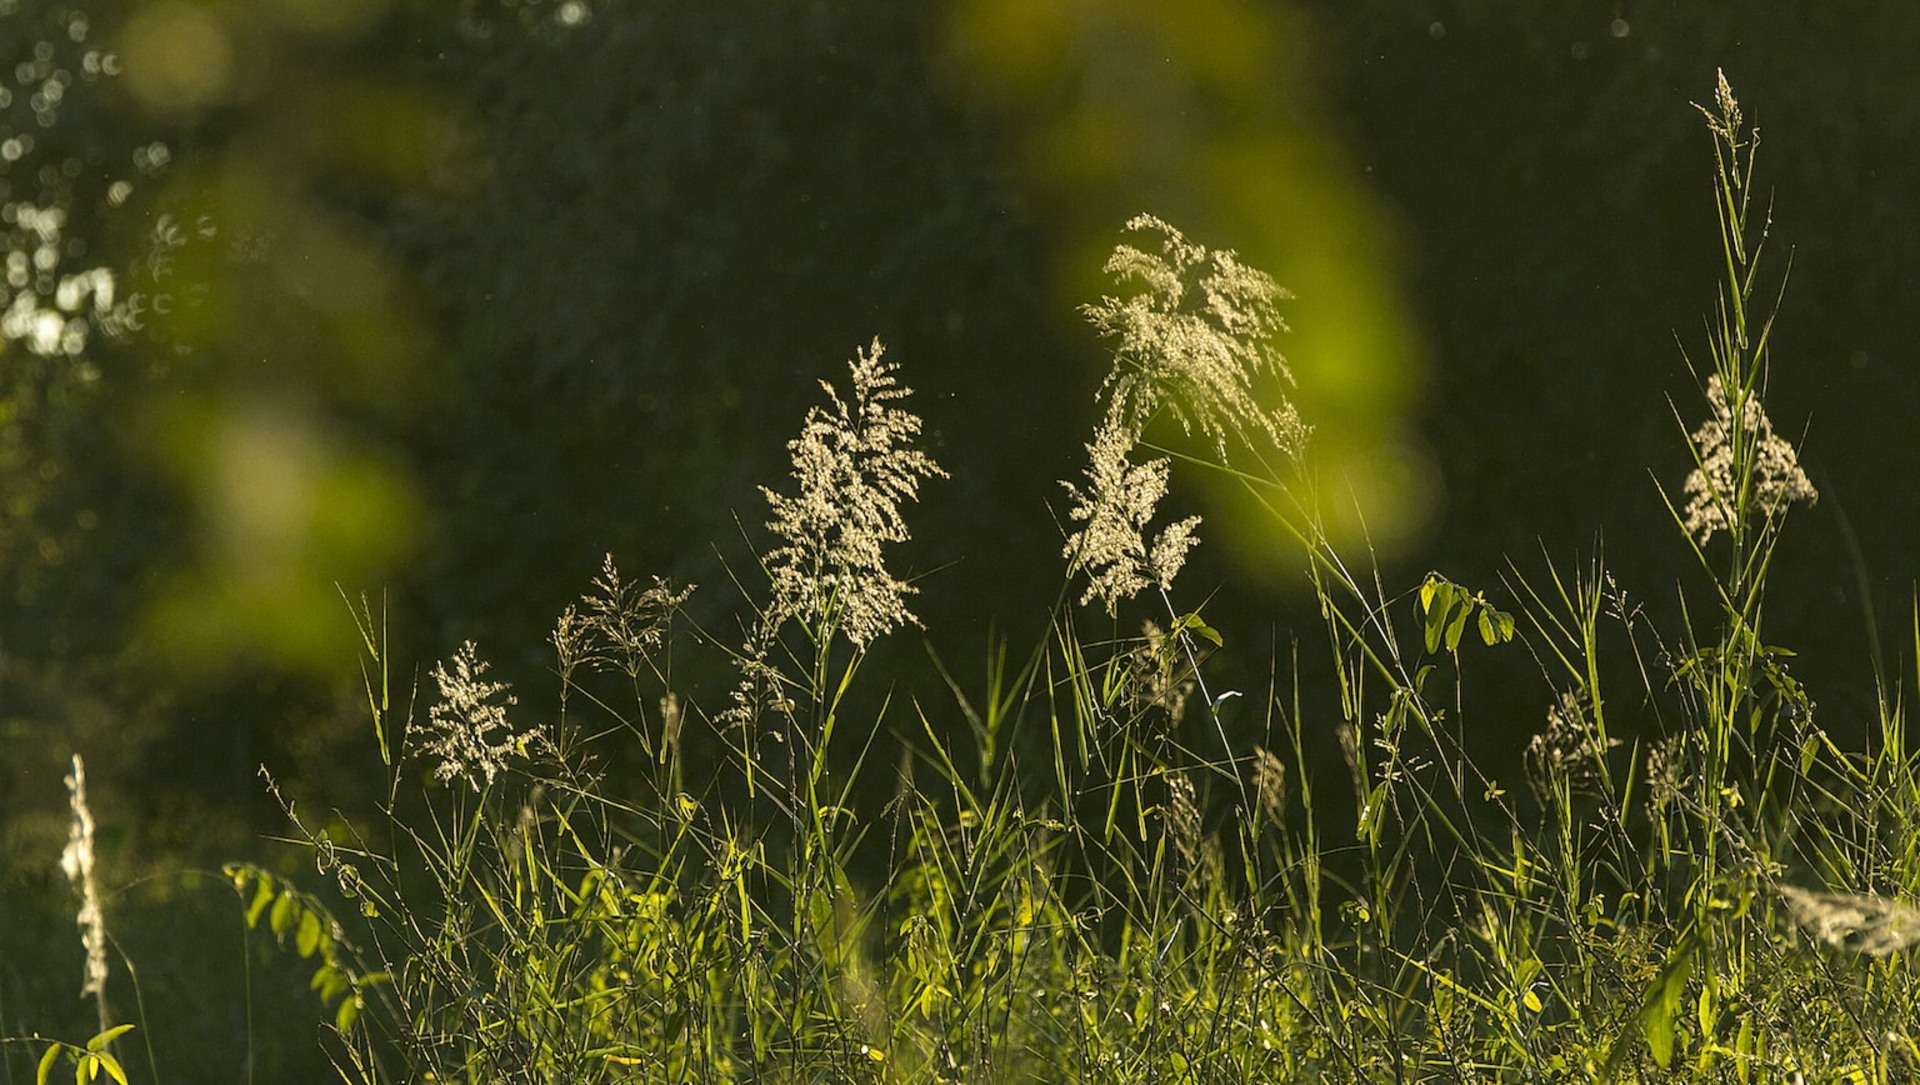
76, 860
1270, 783
854, 465
1714, 489
1183, 815
1854, 922
468, 732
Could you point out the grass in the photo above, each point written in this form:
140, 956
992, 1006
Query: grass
1057, 880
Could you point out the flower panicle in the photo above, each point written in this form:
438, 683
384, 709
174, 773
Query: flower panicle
76, 861
855, 464
469, 733
1723, 487
1196, 341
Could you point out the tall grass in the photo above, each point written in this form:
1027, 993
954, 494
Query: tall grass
1096, 865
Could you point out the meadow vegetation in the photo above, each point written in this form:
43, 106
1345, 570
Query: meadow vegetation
1078, 869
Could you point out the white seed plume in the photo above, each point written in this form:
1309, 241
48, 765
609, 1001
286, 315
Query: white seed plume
468, 732
854, 465
77, 861
1713, 487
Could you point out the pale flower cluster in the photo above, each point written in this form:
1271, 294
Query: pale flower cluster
854, 465
1183, 814
1854, 922
1713, 488
1270, 784
1195, 340
1160, 674
1116, 506
76, 861
1724, 118
620, 625
1569, 749
468, 732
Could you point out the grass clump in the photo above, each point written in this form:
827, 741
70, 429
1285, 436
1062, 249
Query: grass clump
1098, 867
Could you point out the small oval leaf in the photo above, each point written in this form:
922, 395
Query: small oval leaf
285, 911
308, 938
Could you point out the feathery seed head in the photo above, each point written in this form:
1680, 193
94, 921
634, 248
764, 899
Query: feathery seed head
1195, 340
468, 732
1270, 783
1116, 506
1714, 488
76, 860
854, 465
620, 625
1857, 923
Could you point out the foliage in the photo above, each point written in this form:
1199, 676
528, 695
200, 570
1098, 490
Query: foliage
1720, 892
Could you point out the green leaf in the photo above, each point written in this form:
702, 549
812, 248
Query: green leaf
347, 1014
1194, 625
46, 1063
1373, 812
113, 1067
1458, 625
1662, 1007
1504, 622
262, 896
285, 911
308, 938
1488, 636
100, 1042
1427, 591
1442, 604
330, 982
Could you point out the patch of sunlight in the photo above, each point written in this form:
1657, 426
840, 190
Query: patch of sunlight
288, 512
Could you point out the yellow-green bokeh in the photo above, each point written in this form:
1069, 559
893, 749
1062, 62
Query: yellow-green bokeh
291, 341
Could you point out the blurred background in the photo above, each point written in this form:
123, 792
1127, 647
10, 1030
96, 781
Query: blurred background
442, 301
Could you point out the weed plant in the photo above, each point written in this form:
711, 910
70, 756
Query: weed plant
1068, 888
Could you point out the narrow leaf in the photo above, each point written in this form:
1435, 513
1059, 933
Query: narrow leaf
100, 1042
46, 1063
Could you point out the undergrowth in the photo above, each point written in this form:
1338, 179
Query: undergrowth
1056, 883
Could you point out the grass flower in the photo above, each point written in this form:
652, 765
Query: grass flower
76, 860
1270, 784
468, 732
1195, 341
1853, 922
1714, 487
1160, 674
1183, 815
620, 625
1570, 749
1116, 506
854, 465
